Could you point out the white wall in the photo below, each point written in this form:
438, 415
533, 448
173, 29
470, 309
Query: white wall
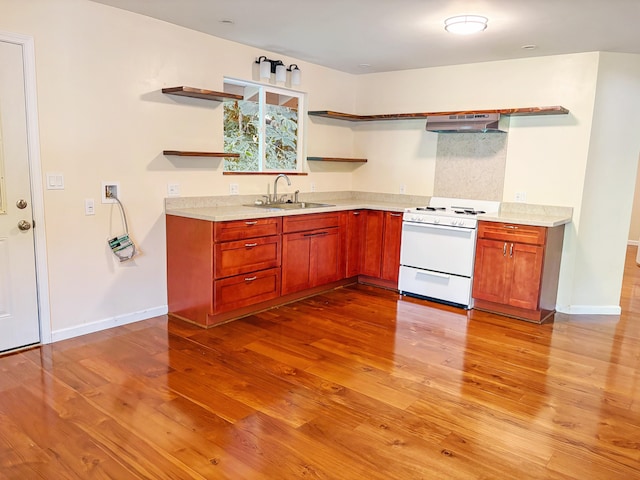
634, 227
100, 71
609, 184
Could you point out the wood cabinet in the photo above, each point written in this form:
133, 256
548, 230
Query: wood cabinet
312, 253
379, 238
372, 238
213, 268
190, 268
390, 267
354, 234
516, 269
247, 257
218, 271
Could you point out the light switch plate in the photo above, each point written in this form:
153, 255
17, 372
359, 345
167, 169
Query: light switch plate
55, 181
89, 206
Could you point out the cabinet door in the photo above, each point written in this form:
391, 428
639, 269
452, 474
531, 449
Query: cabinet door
391, 246
325, 262
296, 253
372, 244
490, 272
526, 275
354, 241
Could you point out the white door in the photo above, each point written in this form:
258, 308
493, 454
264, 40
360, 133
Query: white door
19, 323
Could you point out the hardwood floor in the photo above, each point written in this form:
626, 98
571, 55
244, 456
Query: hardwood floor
358, 383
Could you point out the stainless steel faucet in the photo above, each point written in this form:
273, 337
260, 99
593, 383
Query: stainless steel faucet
275, 186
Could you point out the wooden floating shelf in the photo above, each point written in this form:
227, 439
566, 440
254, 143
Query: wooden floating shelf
554, 110
181, 153
337, 159
200, 93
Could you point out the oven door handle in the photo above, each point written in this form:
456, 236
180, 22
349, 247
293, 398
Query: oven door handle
434, 274
439, 227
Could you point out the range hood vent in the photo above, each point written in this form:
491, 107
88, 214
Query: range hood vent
468, 123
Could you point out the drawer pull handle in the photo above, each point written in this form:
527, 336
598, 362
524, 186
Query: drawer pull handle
251, 223
250, 279
249, 245
513, 227
511, 251
356, 213
396, 215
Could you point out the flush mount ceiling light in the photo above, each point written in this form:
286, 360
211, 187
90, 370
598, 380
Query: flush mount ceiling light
465, 24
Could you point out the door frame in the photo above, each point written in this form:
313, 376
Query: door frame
26, 42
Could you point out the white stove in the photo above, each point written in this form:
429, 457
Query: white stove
437, 252
451, 211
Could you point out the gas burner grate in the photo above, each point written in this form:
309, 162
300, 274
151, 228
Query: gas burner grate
469, 212
430, 209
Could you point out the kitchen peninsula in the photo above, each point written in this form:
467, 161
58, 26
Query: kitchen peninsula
227, 259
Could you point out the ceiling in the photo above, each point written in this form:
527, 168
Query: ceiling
366, 36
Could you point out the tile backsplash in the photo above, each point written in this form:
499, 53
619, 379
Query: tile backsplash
471, 165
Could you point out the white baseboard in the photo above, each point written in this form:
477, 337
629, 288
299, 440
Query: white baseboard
66, 333
590, 309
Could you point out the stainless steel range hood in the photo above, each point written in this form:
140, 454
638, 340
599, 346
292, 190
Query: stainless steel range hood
468, 123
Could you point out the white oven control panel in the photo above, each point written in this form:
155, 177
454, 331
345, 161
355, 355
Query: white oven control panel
444, 220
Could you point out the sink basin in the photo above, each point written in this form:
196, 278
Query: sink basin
293, 205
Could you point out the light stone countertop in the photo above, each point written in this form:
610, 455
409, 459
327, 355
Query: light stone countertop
242, 212
234, 207
528, 214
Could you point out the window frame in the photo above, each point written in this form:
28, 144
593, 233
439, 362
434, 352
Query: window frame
262, 90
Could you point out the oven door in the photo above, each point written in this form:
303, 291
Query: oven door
438, 248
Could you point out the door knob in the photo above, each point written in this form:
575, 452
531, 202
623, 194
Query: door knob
21, 204
24, 225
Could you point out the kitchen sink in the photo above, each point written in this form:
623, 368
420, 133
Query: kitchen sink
292, 205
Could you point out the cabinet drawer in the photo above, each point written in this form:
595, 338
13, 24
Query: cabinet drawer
300, 223
234, 258
239, 229
509, 232
248, 289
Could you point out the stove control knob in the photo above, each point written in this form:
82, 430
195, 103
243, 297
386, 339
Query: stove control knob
436, 220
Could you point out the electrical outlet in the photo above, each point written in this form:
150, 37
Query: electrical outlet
89, 206
520, 197
403, 188
234, 189
173, 189
110, 191
313, 186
